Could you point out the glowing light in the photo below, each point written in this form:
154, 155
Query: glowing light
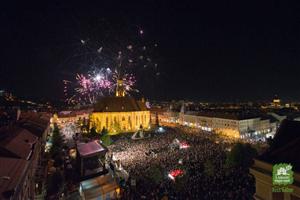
125, 61
148, 105
99, 50
98, 78
184, 145
171, 177
161, 130
175, 173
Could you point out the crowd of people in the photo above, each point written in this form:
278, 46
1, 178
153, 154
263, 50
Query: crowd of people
205, 174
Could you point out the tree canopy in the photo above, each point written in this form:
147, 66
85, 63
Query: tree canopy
241, 155
57, 142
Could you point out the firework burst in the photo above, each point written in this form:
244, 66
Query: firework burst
113, 60
97, 83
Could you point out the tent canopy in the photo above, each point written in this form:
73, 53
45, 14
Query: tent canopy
90, 149
101, 186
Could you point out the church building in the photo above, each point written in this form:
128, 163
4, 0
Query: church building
120, 113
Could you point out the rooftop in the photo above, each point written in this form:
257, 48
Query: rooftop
16, 142
74, 113
285, 146
40, 119
119, 104
10, 175
224, 115
90, 148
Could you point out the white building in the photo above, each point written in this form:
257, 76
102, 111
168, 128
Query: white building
71, 116
233, 125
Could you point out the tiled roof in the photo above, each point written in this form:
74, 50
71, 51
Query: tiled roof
285, 146
16, 141
119, 104
36, 118
33, 128
34, 122
288, 131
11, 171
74, 113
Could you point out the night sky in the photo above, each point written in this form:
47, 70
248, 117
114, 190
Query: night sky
217, 51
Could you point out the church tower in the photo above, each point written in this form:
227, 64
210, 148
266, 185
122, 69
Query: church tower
120, 90
182, 109
181, 114
276, 102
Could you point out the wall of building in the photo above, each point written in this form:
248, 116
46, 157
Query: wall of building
262, 171
230, 127
120, 121
69, 118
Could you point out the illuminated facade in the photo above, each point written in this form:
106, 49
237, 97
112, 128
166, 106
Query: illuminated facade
120, 113
276, 103
120, 92
230, 125
70, 116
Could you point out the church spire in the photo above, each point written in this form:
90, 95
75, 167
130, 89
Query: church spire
182, 109
120, 90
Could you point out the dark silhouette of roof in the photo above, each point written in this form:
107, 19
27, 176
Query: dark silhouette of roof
269, 117
288, 131
285, 146
13, 172
119, 104
16, 142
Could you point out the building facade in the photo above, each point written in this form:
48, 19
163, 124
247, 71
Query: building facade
120, 114
64, 117
231, 125
21, 154
262, 171
284, 148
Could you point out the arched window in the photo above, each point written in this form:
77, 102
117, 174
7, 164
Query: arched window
97, 121
129, 121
